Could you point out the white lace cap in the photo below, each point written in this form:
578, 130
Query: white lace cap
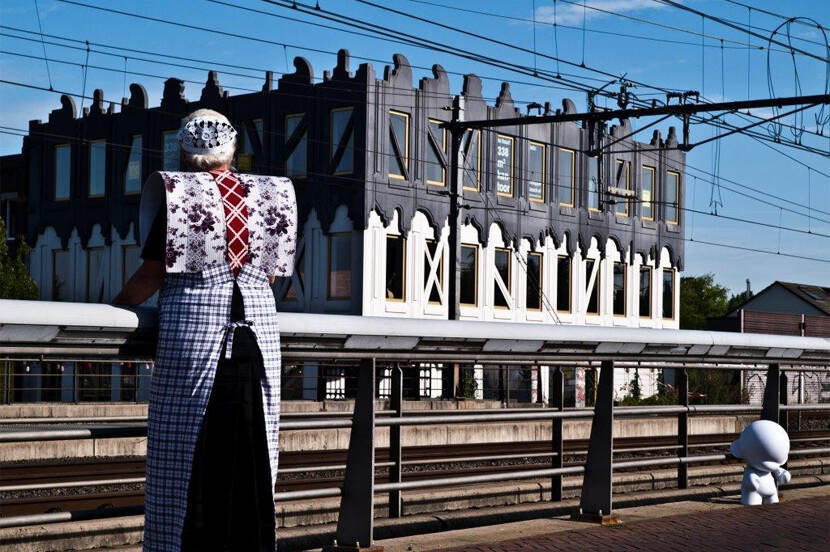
205, 135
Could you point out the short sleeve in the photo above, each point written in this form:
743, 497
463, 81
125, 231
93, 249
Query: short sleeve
287, 240
153, 249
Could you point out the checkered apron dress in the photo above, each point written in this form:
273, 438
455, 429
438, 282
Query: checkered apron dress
194, 322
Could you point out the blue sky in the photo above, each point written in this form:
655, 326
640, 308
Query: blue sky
645, 56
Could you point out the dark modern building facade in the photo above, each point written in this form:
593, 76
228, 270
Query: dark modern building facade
369, 157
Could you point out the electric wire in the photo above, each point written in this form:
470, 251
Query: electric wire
644, 152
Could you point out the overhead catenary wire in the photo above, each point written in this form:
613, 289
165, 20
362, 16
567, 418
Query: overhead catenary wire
726, 23
555, 24
316, 11
257, 77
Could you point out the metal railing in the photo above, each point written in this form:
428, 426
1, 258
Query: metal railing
383, 345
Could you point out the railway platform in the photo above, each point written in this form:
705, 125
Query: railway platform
801, 522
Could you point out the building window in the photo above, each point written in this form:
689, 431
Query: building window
130, 261
668, 293
533, 299
97, 168
436, 153
96, 274
593, 183
433, 292
471, 150
291, 293
468, 264
340, 265
645, 292
672, 196
170, 161
504, 165
398, 144
563, 283
502, 263
132, 176
565, 177
623, 180
395, 267
63, 170
647, 193
246, 149
593, 296
536, 155
61, 275
619, 289
296, 145
341, 141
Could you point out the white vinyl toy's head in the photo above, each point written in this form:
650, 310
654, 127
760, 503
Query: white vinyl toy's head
764, 445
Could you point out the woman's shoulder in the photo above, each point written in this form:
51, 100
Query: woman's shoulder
264, 178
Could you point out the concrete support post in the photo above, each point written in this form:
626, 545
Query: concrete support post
682, 380
355, 520
557, 444
784, 392
772, 394
595, 504
395, 451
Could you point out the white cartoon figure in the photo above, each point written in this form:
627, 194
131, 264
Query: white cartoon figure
765, 446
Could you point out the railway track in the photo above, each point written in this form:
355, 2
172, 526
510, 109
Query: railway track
296, 471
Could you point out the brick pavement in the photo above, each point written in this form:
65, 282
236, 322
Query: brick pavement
793, 526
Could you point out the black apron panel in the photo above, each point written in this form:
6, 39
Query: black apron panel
230, 500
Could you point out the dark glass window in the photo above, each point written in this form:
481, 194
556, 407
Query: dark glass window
502, 262
647, 193
563, 283
340, 265
593, 183
62, 170
533, 299
468, 264
435, 171
565, 180
399, 130
623, 180
432, 292
619, 289
132, 175
593, 298
339, 124
395, 246
97, 168
504, 165
671, 197
170, 161
645, 291
291, 292
297, 160
536, 172
471, 150
668, 293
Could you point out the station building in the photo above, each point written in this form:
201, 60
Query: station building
541, 242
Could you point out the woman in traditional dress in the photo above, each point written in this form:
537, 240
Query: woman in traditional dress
213, 242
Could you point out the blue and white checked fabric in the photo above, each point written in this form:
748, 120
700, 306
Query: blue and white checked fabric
194, 311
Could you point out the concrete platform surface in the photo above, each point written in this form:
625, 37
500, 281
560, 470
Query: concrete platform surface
801, 522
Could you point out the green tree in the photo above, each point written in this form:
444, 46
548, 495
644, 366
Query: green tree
700, 297
15, 282
739, 299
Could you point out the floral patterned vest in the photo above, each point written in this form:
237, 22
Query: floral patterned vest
196, 220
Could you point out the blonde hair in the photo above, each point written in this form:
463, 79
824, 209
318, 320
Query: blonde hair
209, 161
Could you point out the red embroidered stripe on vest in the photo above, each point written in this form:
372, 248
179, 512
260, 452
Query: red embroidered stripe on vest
236, 217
